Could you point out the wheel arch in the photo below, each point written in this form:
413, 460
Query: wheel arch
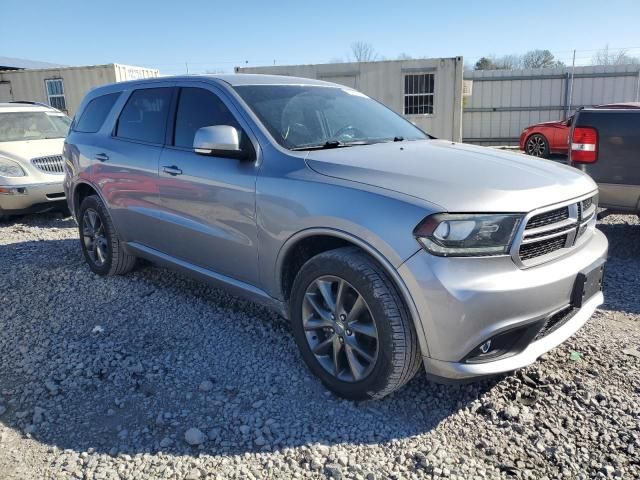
81, 191
310, 242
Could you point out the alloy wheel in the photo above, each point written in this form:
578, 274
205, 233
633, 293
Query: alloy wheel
94, 237
536, 146
340, 328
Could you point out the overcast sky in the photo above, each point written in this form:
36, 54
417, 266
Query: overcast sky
218, 35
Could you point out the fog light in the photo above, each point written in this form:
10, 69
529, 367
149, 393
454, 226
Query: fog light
485, 347
13, 190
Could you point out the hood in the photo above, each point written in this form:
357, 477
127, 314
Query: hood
458, 177
547, 124
28, 149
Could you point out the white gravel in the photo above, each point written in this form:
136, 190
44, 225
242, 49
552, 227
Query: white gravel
153, 375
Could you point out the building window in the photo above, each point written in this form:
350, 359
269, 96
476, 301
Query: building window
55, 93
418, 94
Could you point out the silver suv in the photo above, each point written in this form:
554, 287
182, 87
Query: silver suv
386, 248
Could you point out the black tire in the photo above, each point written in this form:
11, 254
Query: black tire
398, 356
537, 145
113, 260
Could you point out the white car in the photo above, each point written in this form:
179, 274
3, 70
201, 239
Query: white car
31, 174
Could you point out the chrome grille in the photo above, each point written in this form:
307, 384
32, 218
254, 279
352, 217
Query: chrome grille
51, 164
544, 247
547, 218
550, 233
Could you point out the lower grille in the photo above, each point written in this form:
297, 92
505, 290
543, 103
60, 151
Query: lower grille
543, 247
555, 321
52, 164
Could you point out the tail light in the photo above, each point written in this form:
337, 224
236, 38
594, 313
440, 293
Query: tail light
584, 145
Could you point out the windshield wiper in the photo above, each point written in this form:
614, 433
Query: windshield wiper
332, 144
320, 146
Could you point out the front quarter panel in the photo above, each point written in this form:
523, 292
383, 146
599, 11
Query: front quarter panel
293, 200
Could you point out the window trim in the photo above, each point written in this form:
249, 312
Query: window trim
76, 121
130, 93
222, 96
406, 74
62, 95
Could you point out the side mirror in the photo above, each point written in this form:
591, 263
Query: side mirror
220, 140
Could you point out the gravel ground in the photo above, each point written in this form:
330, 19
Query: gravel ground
153, 375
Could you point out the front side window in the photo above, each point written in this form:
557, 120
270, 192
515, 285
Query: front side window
20, 126
300, 116
95, 113
55, 93
199, 108
144, 117
418, 94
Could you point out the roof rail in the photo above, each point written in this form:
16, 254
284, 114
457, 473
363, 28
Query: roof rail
27, 102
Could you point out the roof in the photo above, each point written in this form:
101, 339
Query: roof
11, 63
623, 105
25, 107
260, 79
237, 79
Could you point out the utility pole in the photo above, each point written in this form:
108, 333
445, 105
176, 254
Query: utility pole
186, 64
573, 69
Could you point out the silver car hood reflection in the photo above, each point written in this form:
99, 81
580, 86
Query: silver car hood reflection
459, 177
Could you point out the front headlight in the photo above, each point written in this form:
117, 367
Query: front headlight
9, 168
467, 235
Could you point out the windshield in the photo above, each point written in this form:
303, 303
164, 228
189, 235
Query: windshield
16, 126
304, 116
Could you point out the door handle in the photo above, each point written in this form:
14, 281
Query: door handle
171, 170
102, 157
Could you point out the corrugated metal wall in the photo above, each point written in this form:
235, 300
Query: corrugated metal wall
504, 102
30, 84
384, 81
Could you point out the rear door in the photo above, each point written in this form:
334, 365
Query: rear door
208, 201
126, 167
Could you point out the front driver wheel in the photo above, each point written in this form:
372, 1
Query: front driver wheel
100, 243
537, 146
351, 326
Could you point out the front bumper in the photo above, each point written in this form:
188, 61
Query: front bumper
37, 197
465, 301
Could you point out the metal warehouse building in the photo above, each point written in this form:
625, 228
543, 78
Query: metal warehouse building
64, 87
427, 91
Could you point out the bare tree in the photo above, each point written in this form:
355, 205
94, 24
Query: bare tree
540, 59
404, 56
619, 57
363, 52
509, 62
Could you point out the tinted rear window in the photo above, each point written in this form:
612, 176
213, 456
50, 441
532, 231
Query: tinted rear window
144, 117
96, 112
